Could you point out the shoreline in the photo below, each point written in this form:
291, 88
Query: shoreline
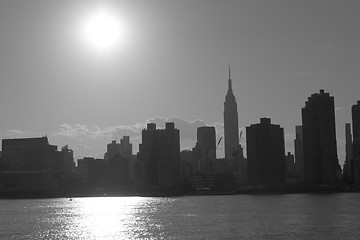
240, 191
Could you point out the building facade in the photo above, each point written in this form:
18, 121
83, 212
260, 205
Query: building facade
32, 164
125, 147
299, 153
204, 153
355, 112
112, 149
347, 169
159, 157
265, 153
290, 167
321, 164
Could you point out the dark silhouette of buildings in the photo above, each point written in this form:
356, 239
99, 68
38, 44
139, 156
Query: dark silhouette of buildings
32, 164
82, 170
69, 163
119, 172
299, 153
1, 164
159, 157
124, 148
187, 165
211, 175
20, 154
239, 167
120, 164
93, 173
100, 174
321, 164
231, 125
112, 149
265, 153
204, 153
290, 167
118, 159
355, 111
347, 174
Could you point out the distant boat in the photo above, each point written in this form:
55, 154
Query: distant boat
70, 199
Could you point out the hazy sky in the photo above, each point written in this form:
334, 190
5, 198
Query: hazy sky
172, 64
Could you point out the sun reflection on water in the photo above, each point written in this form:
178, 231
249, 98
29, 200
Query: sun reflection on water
108, 217
94, 218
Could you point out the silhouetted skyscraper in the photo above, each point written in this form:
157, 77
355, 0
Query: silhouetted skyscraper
112, 149
125, 147
118, 159
205, 149
347, 172
355, 111
348, 142
187, 165
299, 153
321, 164
147, 169
159, 156
169, 156
265, 153
290, 166
231, 125
93, 173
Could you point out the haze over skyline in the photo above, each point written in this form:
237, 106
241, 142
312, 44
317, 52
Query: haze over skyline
173, 66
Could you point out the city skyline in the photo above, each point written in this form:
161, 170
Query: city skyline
174, 68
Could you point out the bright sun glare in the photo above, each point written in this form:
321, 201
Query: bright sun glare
103, 30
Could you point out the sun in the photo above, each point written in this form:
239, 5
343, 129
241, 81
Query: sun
103, 30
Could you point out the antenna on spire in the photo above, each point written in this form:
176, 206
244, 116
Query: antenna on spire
229, 81
229, 71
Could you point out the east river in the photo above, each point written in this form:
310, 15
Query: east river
283, 216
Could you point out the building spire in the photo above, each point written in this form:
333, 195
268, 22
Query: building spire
229, 71
231, 125
229, 83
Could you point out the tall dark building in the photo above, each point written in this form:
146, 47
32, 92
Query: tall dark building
118, 172
231, 125
355, 111
112, 149
265, 153
321, 164
204, 153
299, 153
147, 165
290, 166
69, 163
118, 158
187, 165
347, 170
125, 147
348, 142
93, 173
159, 156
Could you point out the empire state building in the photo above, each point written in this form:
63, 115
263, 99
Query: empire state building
231, 125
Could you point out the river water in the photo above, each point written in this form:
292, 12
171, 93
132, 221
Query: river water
287, 216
